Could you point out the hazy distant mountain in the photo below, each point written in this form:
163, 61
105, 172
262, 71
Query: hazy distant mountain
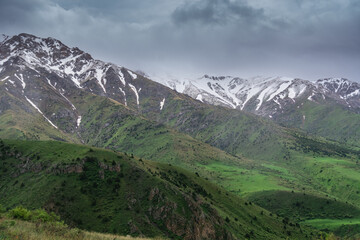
265, 96
288, 101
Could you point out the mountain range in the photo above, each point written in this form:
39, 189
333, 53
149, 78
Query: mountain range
250, 142
288, 101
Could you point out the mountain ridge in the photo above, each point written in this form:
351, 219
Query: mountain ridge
312, 106
238, 93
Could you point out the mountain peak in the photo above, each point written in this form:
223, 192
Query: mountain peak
25, 58
3, 38
48, 53
333, 80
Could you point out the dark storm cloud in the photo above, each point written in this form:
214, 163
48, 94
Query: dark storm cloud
216, 11
297, 38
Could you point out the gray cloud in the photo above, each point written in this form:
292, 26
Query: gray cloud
303, 38
216, 12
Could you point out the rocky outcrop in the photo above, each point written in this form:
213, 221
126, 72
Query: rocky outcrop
199, 225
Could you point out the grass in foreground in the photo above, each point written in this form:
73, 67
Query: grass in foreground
20, 223
17, 229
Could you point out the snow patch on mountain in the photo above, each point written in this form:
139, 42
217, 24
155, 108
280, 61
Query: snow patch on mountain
21, 79
78, 121
133, 88
12, 82
32, 104
4, 79
258, 93
133, 75
162, 104
99, 77
122, 79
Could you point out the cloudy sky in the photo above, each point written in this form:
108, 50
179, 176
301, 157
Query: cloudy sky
296, 38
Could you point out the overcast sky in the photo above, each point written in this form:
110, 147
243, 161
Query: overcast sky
296, 38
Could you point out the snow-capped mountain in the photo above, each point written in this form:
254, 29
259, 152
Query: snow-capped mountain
48, 55
265, 96
43, 79
52, 55
44, 76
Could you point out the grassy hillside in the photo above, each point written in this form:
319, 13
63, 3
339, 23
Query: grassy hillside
233, 131
304, 206
284, 159
327, 119
104, 191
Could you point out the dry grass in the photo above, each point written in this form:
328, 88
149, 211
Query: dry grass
16, 229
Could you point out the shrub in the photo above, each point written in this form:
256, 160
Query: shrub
38, 215
20, 213
42, 216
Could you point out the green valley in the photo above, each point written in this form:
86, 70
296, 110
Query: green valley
94, 189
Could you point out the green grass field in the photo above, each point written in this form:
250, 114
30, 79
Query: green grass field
332, 224
242, 181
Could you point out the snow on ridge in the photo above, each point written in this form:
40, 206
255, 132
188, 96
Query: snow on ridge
32, 104
237, 92
280, 89
354, 93
133, 75
202, 86
250, 93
